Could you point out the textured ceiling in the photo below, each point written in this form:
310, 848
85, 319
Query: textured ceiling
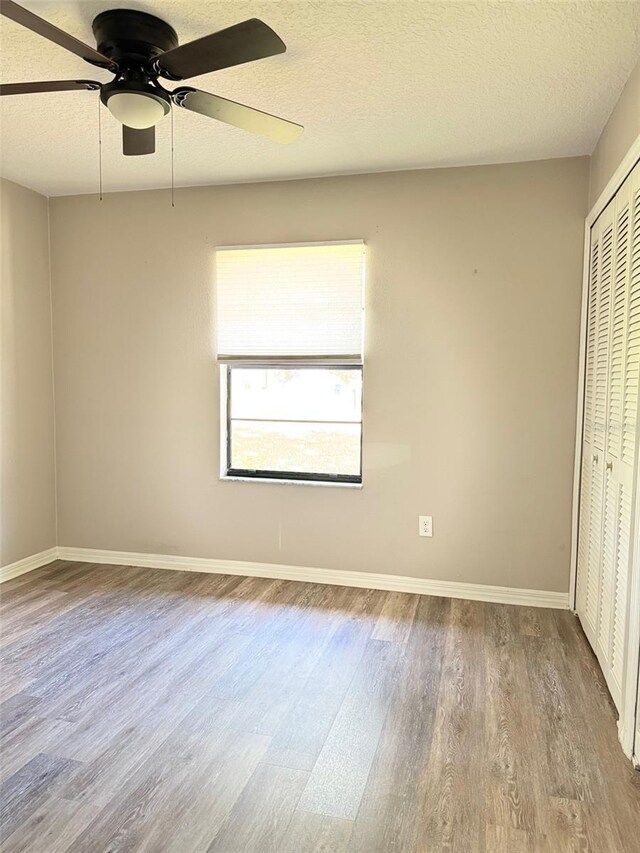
378, 85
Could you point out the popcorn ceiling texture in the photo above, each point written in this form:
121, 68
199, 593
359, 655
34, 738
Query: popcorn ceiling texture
379, 86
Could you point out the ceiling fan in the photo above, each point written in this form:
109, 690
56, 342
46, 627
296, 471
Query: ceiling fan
139, 48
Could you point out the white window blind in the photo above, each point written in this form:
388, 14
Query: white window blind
290, 301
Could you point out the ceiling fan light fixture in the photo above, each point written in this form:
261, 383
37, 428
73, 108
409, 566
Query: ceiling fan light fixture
136, 109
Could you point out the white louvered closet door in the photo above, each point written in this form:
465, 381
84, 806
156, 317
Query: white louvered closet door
596, 371
609, 433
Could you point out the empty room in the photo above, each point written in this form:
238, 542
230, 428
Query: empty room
319, 474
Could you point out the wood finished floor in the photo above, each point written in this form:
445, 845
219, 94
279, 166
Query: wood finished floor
187, 713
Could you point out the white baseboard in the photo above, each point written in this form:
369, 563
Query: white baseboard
28, 564
393, 583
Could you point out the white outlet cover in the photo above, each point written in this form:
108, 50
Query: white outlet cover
425, 525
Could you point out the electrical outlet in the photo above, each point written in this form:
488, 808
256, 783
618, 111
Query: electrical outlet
425, 525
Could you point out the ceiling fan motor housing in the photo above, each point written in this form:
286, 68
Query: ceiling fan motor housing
133, 39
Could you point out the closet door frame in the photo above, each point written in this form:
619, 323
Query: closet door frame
627, 720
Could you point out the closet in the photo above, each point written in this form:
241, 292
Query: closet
605, 559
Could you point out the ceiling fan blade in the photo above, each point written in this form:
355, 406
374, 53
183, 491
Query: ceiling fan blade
136, 142
47, 86
240, 43
230, 112
43, 28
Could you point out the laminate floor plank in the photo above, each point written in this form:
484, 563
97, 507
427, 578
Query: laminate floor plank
165, 639
510, 840
17, 709
87, 622
14, 607
54, 605
536, 622
35, 735
53, 827
340, 774
272, 697
388, 816
151, 809
114, 744
396, 618
515, 797
12, 681
315, 833
23, 792
570, 772
152, 711
258, 821
276, 644
451, 813
466, 700
90, 659
168, 693
301, 736
196, 816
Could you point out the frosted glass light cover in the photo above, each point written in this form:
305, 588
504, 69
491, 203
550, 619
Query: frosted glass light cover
135, 110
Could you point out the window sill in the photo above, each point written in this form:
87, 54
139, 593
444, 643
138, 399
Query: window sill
231, 479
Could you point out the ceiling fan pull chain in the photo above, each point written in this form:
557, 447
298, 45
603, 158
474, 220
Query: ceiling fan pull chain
100, 147
173, 183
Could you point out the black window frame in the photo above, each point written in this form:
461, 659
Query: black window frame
303, 476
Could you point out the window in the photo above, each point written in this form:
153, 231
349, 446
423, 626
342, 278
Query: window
289, 339
301, 423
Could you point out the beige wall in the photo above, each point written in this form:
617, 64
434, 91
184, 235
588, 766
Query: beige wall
618, 135
28, 518
473, 300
